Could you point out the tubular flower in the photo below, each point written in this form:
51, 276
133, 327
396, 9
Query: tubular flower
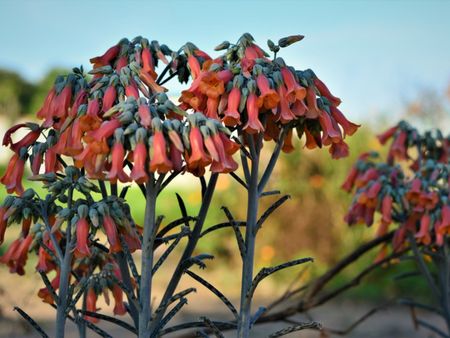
269, 98
16, 256
423, 236
116, 172
285, 113
225, 164
144, 115
349, 127
44, 293
109, 98
91, 304
211, 85
26, 141
253, 124
232, 115
82, 231
160, 162
138, 173
147, 62
294, 92
398, 148
12, 179
198, 157
111, 233
324, 91
339, 150
106, 58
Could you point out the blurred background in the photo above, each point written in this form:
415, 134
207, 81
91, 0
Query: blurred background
386, 60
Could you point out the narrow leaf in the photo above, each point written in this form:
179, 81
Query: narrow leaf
215, 291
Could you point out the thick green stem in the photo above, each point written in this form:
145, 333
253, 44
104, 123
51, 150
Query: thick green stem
249, 255
145, 287
61, 312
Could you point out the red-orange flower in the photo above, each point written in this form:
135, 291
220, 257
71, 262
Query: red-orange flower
111, 233
160, 162
82, 231
294, 92
138, 173
232, 115
269, 98
116, 172
91, 305
12, 179
198, 157
253, 124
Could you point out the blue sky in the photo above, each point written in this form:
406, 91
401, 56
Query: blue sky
373, 54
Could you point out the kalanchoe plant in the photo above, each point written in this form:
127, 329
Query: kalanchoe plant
118, 125
410, 192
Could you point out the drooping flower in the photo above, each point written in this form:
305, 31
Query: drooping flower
82, 232
91, 305
159, 161
138, 173
349, 127
324, 91
253, 124
294, 92
107, 57
198, 157
269, 98
285, 114
232, 115
118, 154
111, 233
12, 179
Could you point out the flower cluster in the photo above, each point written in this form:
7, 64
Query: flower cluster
121, 117
117, 124
416, 199
246, 90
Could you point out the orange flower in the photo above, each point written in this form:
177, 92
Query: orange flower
339, 150
331, 132
423, 236
311, 101
324, 91
138, 173
147, 62
109, 98
349, 127
106, 58
211, 108
211, 85
198, 157
91, 305
269, 98
194, 66
160, 162
12, 179
116, 172
144, 115
111, 233
82, 231
232, 115
253, 124
284, 112
288, 147
294, 92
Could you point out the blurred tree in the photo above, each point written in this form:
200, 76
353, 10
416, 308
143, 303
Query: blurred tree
15, 94
429, 109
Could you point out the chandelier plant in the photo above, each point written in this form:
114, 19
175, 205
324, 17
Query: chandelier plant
409, 190
116, 127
